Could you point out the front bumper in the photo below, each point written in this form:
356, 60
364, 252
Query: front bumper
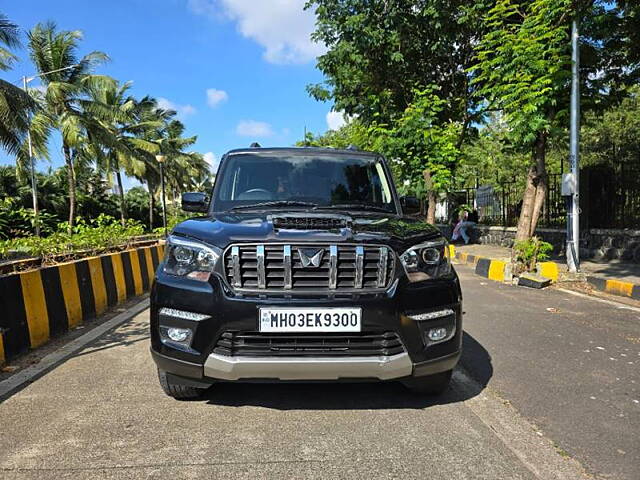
307, 368
388, 311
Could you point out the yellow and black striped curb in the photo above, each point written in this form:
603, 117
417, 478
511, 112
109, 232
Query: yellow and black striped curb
615, 287
485, 267
40, 304
496, 270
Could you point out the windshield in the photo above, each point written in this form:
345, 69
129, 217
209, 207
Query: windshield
308, 181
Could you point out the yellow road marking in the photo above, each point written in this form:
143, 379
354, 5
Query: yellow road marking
1, 350
118, 274
135, 270
621, 288
496, 270
35, 307
549, 270
150, 269
71, 293
97, 283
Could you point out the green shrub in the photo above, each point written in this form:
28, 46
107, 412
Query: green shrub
101, 234
527, 253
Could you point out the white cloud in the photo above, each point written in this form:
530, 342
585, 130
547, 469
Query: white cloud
215, 97
335, 120
281, 27
251, 128
212, 160
182, 110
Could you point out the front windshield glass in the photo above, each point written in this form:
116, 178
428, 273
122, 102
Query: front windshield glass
314, 180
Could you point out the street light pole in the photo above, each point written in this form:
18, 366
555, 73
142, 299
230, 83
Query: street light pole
573, 213
34, 185
32, 166
161, 159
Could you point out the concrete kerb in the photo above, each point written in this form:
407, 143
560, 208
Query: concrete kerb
500, 271
497, 270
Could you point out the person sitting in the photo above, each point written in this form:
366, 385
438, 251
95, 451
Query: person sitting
462, 228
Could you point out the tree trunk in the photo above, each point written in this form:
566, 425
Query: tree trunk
431, 211
535, 192
431, 197
71, 179
121, 194
152, 205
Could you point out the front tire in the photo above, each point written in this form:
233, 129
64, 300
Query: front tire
431, 385
176, 390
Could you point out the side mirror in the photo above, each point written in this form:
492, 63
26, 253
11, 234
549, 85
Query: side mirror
194, 202
410, 205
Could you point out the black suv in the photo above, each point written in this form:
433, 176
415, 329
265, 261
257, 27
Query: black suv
304, 268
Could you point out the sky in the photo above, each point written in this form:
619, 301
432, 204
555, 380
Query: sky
234, 70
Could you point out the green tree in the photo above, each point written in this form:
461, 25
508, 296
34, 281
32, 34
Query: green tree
119, 115
353, 132
160, 133
523, 67
69, 85
380, 53
15, 104
421, 149
613, 137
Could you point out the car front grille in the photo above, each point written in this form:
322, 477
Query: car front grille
255, 344
308, 267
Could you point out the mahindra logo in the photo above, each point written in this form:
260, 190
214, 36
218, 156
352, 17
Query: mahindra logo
310, 257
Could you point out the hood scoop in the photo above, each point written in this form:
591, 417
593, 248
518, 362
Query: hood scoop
310, 221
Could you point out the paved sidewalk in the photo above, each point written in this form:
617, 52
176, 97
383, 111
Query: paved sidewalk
611, 270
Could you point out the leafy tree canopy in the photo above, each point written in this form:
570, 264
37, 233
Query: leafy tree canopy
379, 53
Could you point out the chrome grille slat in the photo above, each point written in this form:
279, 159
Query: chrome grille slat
357, 283
279, 267
333, 267
235, 258
382, 267
286, 251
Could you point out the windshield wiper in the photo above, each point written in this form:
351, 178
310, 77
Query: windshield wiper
278, 203
352, 206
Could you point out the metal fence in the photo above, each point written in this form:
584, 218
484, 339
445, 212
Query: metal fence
609, 198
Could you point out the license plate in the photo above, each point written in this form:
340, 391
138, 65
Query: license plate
310, 319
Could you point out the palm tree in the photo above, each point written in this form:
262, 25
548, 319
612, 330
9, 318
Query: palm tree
124, 148
161, 133
51, 51
15, 104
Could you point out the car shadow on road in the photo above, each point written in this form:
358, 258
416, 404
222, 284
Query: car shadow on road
124, 335
353, 396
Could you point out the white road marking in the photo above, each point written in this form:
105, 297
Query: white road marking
621, 306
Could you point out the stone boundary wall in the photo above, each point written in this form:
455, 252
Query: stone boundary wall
597, 244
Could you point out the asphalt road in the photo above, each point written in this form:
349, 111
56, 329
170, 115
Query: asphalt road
521, 400
569, 364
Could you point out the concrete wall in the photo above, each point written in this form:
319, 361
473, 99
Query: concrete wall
39, 304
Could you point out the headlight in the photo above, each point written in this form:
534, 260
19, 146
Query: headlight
426, 260
188, 258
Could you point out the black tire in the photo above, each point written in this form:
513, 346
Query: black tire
430, 385
176, 390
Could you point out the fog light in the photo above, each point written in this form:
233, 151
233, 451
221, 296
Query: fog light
437, 334
178, 334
